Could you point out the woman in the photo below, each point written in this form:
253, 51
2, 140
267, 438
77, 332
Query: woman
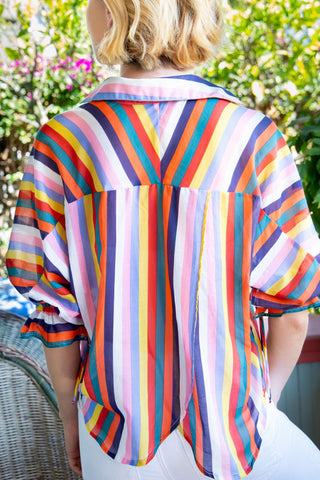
159, 221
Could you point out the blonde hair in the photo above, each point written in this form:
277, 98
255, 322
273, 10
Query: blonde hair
185, 33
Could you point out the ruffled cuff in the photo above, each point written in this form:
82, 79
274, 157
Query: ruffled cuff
277, 312
53, 330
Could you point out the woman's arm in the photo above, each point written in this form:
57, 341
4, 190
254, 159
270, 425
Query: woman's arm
285, 339
63, 365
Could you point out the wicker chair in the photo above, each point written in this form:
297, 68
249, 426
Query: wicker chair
31, 439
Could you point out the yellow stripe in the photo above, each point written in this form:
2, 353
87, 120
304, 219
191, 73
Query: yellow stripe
81, 152
148, 126
26, 186
272, 166
68, 297
94, 417
227, 380
43, 197
143, 320
25, 257
289, 276
213, 144
61, 232
87, 202
300, 227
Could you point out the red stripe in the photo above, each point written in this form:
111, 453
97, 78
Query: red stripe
168, 347
99, 361
140, 130
79, 166
203, 143
152, 311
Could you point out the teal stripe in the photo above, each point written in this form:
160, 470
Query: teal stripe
66, 160
194, 142
46, 217
240, 355
138, 146
160, 325
92, 365
267, 147
192, 421
106, 427
96, 205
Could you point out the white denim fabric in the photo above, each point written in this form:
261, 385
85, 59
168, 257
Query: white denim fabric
286, 454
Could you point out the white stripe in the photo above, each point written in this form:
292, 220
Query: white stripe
177, 287
117, 312
111, 159
170, 116
266, 267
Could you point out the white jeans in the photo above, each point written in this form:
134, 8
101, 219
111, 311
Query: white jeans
286, 454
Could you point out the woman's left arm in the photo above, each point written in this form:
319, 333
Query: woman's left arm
63, 365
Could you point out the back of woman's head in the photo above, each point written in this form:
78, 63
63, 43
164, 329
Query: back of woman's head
183, 33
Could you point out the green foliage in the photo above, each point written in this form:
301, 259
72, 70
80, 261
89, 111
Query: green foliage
272, 57
307, 143
270, 60
51, 67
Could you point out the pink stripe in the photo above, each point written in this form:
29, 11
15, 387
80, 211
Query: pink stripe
185, 284
94, 141
212, 335
49, 183
231, 148
274, 265
276, 184
165, 119
57, 249
25, 239
126, 323
83, 284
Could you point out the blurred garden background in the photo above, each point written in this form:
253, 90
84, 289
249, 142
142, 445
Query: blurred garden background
270, 59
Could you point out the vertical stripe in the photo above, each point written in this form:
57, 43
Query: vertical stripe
143, 321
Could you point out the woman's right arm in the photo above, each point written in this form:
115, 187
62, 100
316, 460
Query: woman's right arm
285, 339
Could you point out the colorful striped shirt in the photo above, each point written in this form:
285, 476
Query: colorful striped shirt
161, 219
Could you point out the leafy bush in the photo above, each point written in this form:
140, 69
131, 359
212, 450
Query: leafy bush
271, 60
272, 57
307, 143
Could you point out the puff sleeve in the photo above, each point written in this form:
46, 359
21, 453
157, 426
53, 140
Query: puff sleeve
285, 273
37, 258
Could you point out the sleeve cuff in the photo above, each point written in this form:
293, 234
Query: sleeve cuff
53, 330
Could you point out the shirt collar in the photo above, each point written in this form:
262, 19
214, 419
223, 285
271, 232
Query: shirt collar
164, 89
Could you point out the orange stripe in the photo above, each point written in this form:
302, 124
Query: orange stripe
99, 332
203, 143
152, 311
184, 141
261, 141
299, 217
26, 212
287, 204
168, 347
264, 236
246, 266
56, 336
153, 156
246, 175
125, 141
64, 172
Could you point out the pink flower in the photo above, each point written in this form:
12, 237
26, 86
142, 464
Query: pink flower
69, 87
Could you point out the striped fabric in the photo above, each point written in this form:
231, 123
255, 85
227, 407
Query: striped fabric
161, 219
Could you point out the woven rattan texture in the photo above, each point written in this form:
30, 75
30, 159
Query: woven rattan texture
31, 434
